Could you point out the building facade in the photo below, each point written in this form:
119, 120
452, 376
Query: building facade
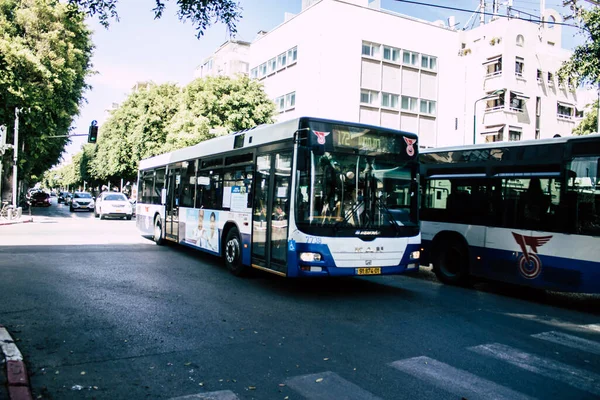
230, 59
351, 60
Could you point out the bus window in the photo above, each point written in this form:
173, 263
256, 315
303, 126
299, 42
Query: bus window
210, 190
159, 184
583, 195
188, 184
147, 186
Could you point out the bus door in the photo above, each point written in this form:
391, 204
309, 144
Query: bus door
271, 211
173, 199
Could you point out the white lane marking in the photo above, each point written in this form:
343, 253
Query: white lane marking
218, 395
10, 350
570, 341
326, 386
456, 381
575, 377
592, 327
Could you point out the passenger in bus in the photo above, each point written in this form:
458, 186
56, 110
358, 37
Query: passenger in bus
535, 202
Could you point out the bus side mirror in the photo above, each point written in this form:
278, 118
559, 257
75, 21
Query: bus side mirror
163, 196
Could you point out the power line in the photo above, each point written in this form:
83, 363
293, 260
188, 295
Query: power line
537, 20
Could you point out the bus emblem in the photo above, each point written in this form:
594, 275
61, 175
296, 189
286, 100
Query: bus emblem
321, 136
410, 150
530, 265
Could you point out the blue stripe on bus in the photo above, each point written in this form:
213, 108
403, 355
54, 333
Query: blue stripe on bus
557, 273
328, 264
246, 249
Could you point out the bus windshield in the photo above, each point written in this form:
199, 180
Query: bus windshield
344, 194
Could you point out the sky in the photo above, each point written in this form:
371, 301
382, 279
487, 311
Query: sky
139, 48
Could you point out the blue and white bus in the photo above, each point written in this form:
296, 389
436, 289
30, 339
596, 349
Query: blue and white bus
526, 213
302, 198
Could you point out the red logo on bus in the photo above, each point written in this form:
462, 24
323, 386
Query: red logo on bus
321, 136
410, 150
530, 265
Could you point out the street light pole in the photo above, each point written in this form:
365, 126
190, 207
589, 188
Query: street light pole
16, 156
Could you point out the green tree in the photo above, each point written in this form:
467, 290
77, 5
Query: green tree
136, 130
589, 123
201, 13
45, 52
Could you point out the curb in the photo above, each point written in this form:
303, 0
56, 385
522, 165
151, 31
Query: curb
16, 222
16, 373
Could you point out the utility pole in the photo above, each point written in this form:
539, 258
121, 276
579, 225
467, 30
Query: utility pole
16, 156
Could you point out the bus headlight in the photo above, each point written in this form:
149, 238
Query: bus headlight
310, 257
415, 255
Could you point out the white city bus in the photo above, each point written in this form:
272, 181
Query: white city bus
523, 212
301, 198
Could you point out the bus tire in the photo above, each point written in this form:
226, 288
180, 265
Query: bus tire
157, 233
232, 253
451, 263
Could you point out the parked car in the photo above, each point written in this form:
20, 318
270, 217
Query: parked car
40, 199
82, 201
112, 204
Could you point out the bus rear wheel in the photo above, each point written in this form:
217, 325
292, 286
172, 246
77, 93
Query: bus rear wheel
232, 253
157, 235
451, 264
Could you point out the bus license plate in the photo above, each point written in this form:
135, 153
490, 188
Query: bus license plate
368, 271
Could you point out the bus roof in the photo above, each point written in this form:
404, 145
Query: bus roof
257, 136
518, 143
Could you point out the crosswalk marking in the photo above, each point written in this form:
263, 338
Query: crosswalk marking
328, 385
458, 382
577, 378
218, 395
570, 341
592, 327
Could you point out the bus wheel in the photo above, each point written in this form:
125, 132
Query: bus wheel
157, 236
233, 253
451, 264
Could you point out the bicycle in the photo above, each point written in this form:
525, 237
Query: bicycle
9, 212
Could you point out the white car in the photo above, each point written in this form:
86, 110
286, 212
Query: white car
112, 204
82, 201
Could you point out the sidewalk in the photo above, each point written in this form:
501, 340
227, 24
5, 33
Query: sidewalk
15, 380
24, 219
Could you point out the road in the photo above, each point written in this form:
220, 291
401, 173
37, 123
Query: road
102, 313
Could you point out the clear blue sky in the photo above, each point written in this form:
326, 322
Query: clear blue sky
139, 48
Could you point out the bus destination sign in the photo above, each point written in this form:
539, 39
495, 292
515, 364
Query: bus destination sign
363, 139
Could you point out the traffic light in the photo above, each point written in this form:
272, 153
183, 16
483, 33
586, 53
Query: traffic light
93, 132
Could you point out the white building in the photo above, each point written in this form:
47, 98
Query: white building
229, 59
350, 60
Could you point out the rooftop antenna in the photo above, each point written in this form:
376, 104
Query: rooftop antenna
481, 12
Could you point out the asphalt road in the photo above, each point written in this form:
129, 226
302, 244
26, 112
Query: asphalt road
102, 313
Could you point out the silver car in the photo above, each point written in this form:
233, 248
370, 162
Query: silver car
81, 201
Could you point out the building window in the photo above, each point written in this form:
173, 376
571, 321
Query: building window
262, 70
550, 78
539, 75
519, 65
565, 111
272, 65
368, 97
428, 107
514, 136
280, 103
292, 55
495, 103
516, 102
389, 100
520, 40
410, 58
495, 138
428, 62
370, 49
409, 103
391, 54
290, 100
254, 73
494, 66
282, 60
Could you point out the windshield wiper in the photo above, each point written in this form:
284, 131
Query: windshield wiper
349, 214
385, 208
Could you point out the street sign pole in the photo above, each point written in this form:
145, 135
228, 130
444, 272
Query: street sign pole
16, 156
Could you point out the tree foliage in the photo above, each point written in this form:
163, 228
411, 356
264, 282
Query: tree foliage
584, 65
155, 119
201, 13
589, 123
45, 52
